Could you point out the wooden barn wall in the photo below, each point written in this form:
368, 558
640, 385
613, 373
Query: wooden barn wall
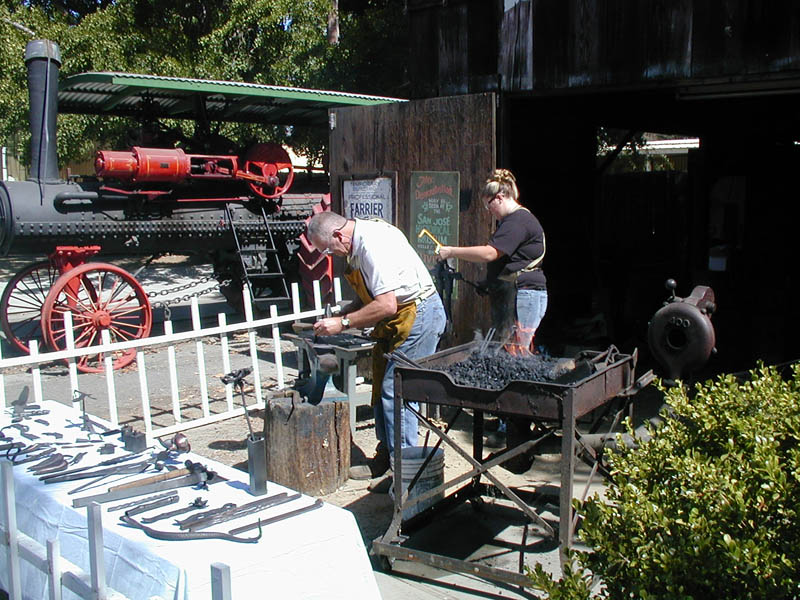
557, 44
454, 46
440, 134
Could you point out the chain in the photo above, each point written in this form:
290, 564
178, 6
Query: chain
185, 297
186, 286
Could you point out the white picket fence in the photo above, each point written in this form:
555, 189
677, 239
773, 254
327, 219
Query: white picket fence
47, 558
169, 339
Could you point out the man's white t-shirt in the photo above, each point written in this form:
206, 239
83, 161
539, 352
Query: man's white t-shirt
388, 262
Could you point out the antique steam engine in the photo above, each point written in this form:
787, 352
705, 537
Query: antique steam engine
145, 201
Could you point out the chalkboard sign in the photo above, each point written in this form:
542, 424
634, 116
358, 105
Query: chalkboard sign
434, 212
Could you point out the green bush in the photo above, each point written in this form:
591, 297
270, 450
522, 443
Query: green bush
709, 507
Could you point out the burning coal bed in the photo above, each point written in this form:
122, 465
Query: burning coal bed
494, 370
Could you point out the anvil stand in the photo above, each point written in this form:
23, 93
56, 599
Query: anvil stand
256, 443
347, 358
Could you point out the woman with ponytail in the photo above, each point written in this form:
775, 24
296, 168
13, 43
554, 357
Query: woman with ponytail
515, 253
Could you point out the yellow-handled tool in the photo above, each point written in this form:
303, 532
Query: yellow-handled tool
430, 235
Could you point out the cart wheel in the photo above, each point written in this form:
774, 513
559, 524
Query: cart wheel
100, 296
272, 162
21, 304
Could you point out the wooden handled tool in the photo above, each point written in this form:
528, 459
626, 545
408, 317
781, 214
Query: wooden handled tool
430, 235
152, 479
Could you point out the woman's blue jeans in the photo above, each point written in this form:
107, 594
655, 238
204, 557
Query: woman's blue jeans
531, 306
422, 341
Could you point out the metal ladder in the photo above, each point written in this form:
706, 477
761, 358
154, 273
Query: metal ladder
261, 265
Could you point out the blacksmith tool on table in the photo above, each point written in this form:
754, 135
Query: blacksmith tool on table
140, 501
148, 506
88, 472
256, 444
195, 504
262, 522
236, 512
55, 463
186, 535
87, 424
198, 477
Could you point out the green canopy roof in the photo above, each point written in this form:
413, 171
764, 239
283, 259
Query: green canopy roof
129, 94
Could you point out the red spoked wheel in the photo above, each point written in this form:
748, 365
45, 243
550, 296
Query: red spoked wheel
21, 304
99, 296
272, 163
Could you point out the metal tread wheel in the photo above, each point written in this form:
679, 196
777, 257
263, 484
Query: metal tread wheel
21, 304
99, 296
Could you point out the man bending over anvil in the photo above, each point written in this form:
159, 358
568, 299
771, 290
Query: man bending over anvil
398, 299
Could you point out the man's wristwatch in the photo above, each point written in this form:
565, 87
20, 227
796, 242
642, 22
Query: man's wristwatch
345, 322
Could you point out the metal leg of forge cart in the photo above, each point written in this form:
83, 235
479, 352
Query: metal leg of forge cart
565, 523
389, 545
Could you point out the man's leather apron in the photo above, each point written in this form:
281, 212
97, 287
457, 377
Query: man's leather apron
390, 333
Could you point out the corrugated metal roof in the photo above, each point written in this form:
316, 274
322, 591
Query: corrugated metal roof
129, 94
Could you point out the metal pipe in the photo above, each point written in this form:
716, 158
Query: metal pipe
43, 59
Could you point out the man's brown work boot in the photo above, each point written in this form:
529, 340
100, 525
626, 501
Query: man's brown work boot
377, 465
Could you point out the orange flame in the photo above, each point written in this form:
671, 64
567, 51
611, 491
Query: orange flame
521, 342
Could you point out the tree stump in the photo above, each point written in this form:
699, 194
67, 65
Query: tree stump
308, 447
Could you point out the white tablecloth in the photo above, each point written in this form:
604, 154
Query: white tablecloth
315, 555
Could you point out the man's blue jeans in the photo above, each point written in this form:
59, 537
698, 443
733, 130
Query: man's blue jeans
422, 341
531, 306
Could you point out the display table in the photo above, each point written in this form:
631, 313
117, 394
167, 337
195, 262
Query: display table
318, 554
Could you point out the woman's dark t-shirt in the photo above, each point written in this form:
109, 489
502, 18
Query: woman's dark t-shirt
520, 237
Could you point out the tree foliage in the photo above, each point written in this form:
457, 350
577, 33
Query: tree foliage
275, 42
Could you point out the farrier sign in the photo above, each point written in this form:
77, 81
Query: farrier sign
369, 198
434, 212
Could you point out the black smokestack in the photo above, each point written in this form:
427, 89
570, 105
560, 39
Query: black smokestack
43, 59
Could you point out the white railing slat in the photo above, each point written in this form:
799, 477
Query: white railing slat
317, 294
36, 374
226, 361
69, 332
201, 362
96, 556
173, 375
111, 390
148, 422
10, 537
220, 582
276, 342
2, 383
251, 338
295, 297
54, 569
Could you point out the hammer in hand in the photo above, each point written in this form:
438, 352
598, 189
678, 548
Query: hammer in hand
424, 231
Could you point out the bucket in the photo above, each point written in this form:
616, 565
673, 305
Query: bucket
431, 477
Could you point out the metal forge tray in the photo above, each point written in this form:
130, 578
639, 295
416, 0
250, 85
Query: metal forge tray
606, 374
598, 378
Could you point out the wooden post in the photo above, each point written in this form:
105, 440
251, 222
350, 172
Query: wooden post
220, 581
308, 447
11, 533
